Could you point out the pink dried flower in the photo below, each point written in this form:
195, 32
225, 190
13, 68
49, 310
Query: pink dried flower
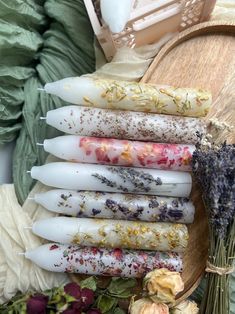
87, 296
37, 304
73, 289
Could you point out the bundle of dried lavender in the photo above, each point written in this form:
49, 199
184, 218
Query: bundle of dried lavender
214, 169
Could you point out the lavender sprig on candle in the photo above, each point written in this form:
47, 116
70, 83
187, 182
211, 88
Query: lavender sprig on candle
214, 169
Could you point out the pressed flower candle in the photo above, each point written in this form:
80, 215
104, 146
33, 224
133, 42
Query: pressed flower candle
87, 204
85, 121
132, 96
99, 261
91, 177
113, 233
121, 152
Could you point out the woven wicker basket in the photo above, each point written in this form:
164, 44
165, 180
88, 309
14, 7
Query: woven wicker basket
149, 21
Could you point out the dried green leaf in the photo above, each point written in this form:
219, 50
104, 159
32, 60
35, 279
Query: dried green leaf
119, 311
121, 287
106, 303
90, 283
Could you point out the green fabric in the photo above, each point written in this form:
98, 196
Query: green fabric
20, 24
41, 41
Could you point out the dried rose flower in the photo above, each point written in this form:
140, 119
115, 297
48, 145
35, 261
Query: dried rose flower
94, 311
147, 306
37, 304
73, 289
185, 307
163, 285
87, 296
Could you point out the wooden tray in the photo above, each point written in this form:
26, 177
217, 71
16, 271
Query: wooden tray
202, 56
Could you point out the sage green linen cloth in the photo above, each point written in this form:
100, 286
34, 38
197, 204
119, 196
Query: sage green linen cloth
40, 41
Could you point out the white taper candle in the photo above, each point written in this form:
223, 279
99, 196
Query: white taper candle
116, 13
91, 177
110, 94
117, 206
121, 152
113, 233
99, 261
139, 126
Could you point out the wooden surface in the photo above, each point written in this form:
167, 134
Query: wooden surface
202, 56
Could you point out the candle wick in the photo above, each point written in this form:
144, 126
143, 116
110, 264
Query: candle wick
43, 118
40, 144
28, 171
41, 89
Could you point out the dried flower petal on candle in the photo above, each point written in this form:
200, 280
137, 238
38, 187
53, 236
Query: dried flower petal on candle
114, 233
117, 206
99, 261
132, 96
121, 152
163, 285
85, 121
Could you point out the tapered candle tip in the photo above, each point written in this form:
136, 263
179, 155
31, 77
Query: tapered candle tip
21, 253
40, 144
43, 118
28, 171
31, 198
41, 89
28, 228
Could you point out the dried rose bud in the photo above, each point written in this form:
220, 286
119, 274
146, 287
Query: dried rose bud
73, 289
147, 306
163, 285
185, 307
37, 304
87, 296
94, 311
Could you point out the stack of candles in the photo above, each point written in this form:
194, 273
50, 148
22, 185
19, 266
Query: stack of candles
125, 178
